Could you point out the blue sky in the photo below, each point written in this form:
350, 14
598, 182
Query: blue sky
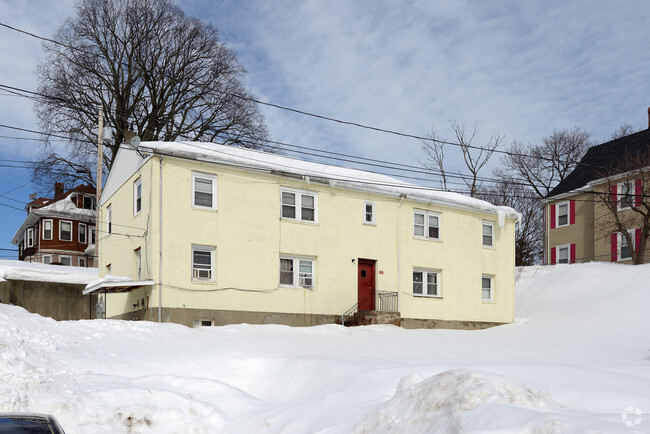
522, 69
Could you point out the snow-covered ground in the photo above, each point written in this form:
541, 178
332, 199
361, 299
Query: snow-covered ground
576, 360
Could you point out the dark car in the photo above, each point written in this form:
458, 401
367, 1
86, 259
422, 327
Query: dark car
29, 424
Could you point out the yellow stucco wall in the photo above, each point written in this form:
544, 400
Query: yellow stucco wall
249, 236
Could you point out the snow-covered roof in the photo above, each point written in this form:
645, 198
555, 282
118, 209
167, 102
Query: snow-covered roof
310, 171
20, 270
64, 208
110, 283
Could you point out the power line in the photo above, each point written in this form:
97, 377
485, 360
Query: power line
278, 106
29, 138
35, 132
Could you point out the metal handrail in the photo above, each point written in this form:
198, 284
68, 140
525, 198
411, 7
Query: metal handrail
385, 301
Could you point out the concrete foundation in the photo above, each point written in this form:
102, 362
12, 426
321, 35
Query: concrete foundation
187, 317
61, 301
413, 323
225, 317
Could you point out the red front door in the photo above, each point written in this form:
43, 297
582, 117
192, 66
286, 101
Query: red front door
366, 285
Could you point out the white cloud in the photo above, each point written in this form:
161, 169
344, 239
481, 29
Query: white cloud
522, 68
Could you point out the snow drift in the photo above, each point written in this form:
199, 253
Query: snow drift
576, 360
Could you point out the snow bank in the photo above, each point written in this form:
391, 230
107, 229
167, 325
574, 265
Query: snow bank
444, 402
21, 270
576, 360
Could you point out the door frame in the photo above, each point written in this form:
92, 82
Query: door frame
362, 291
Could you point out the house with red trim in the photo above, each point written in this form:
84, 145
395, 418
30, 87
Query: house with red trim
60, 230
580, 224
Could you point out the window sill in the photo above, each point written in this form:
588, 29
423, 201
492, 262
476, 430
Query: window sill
435, 297
203, 281
416, 237
488, 301
202, 208
369, 223
296, 287
304, 222
488, 247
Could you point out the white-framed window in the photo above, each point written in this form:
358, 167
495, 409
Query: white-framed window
81, 262
65, 260
29, 237
624, 251
426, 283
487, 287
203, 259
369, 212
204, 191
109, 219
426, 224
92, 235
47, 229
203, 323
138, 263
488, 234
47, 259
83, 233
563, 209
564, 254
65, 230
626, 194
299, 205
137, 196
298, 272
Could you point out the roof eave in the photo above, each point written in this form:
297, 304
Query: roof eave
347, 184
29, 221
124, 286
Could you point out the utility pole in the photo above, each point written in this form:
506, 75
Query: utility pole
100, 165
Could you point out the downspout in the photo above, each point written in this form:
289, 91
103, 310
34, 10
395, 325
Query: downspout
160, 234
399, 254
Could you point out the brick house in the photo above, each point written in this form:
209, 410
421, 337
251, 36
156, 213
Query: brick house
578, 225
59, 230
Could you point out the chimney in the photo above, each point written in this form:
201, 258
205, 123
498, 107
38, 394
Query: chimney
649, 118
128, 135
58, 191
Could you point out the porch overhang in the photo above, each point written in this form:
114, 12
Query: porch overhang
115, 287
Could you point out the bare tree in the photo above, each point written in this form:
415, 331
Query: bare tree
543, 166
626, 196
434, 160
152, 69
529, 233
475, 157
622, 131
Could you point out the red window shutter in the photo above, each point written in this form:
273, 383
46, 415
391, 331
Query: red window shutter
638, 191
553, 259
553, 216
614, 247
614, 194
637, 239
572, 259
572, 212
